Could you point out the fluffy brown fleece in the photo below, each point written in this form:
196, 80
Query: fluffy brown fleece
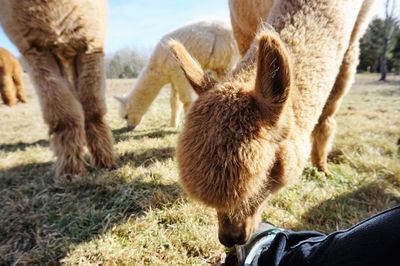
250, 135
62, 42
11, 83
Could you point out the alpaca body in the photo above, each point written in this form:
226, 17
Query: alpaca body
324, 132
245, 26
62, 42
250, 135
11, 82
246, 17
213, 46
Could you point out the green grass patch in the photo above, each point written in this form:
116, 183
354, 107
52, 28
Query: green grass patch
137, 214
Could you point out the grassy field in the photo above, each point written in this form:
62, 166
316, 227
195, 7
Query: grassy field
138, 215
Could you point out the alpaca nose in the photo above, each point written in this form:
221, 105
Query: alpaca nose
229, 240
131, 127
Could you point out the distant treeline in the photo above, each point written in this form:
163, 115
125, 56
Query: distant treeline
128, 62
371, 46
125, 63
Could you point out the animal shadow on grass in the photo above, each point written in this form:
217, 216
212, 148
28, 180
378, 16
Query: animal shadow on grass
125, 133
119, 135
23, 145
40, 221
148, 156
348, 209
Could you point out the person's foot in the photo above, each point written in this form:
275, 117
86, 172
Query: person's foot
247, 253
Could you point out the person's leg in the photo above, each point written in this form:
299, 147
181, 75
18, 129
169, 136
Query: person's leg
372, 242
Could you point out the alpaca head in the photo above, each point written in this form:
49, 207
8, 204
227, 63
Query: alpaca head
131, 119
229, 147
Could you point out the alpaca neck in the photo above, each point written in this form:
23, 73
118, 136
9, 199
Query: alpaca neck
145, 90
317, 46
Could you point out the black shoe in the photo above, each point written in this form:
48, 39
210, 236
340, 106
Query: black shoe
248, 253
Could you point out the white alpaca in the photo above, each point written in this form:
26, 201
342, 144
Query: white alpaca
210, 42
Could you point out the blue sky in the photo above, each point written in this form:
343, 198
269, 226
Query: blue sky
141, 23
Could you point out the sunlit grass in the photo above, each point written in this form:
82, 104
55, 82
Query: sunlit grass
137, 213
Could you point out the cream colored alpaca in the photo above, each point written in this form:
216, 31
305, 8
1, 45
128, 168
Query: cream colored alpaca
249, 136
62, 42
213, 46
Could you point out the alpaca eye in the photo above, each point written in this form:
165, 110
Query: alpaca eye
126, 117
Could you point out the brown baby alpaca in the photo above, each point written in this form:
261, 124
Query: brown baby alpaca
62, 42
11, 82
249, 136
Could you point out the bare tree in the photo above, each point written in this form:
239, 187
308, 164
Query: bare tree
125, 63
390, 24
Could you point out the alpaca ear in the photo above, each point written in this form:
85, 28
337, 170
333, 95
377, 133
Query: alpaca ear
120, 99
200, 81
274, 76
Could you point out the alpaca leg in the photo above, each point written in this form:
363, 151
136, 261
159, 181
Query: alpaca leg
7, 90
184, 90
176, 107
323, 136
187, 100
91, 90
324, 131
186, 106
61, 111
19, 84
243, 39
220, 73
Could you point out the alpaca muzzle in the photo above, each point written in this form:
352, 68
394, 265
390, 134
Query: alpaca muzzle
233, 232
230, 239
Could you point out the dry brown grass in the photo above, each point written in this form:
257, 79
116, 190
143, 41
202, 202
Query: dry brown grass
137, 214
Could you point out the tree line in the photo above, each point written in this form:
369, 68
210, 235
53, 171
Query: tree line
380, 46
125, 63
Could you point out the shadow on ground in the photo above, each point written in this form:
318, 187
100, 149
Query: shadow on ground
348, 209
40, 220
23, 145
148, 156
125, 133
120, 134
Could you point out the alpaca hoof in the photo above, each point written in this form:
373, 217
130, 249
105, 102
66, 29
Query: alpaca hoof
10, 104
67, 178
108, 165
131, 127
325, 171
108, 162
68, 173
